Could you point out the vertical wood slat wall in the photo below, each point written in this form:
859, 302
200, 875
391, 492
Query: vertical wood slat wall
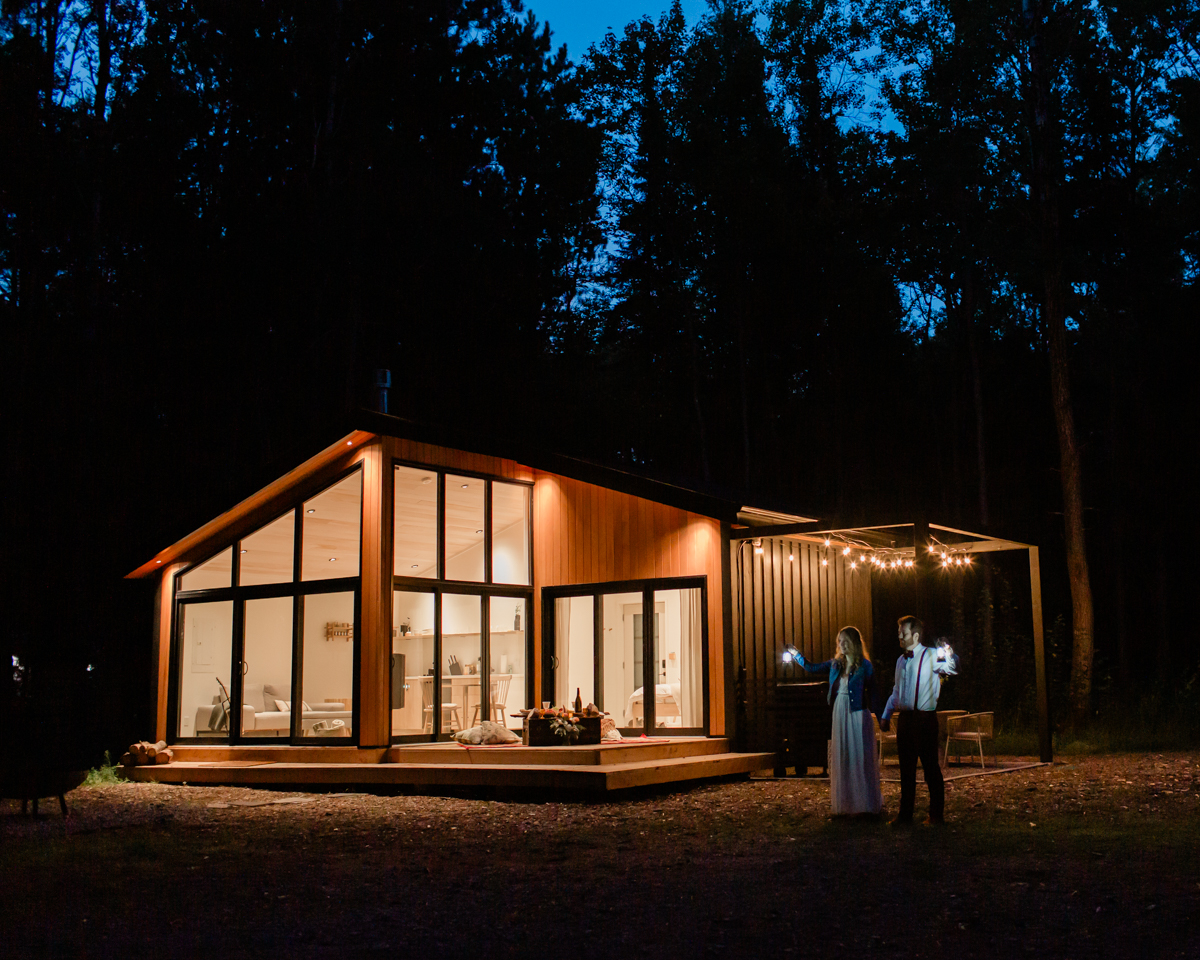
583, 533
800, 602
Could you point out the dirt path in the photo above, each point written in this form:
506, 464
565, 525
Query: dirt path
1095, 857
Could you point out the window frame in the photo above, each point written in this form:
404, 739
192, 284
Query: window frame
647, 588
297, 589
439, 586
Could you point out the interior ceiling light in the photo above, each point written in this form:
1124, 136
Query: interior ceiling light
331, 559
414, 566
427, 479
465, 485
349, 443
312, 510
243, 551
479, 531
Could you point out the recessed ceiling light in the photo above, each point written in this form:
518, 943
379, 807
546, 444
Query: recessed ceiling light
243, 551
465, 485
331, 559
312, 510
477, 531
158, 561
349, 443
427, 479
414, 566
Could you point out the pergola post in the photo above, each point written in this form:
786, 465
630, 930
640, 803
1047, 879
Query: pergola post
921, 569
1039, 657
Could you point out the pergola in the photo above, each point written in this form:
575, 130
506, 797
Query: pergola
920, 549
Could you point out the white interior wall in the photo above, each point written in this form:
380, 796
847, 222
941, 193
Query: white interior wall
510, 554
207, 652
268, 648
328, 664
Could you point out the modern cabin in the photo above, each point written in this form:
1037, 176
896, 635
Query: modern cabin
400, 586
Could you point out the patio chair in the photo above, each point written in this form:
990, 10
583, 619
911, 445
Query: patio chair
971, 728
943, 717
881, 737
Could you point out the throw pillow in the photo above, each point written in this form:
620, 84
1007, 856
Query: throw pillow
492, 732
328, 705
283, 706
271, 692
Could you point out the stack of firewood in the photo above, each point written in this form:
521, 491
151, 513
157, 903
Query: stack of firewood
143, 754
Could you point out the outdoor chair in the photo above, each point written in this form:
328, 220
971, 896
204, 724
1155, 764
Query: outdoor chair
881, 737
450, 715
943, 716
971, 728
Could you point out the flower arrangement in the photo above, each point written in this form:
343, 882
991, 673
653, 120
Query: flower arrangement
566, 727
563, 725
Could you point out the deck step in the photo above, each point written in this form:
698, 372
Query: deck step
595, 755
598, 778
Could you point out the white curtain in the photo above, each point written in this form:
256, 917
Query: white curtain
562, 648
691, 669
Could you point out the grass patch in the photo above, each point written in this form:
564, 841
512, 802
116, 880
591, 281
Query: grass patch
104, 774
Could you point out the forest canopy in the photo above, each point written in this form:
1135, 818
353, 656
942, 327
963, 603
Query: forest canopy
812, 255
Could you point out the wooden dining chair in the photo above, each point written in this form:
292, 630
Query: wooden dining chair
498, 697
450, 716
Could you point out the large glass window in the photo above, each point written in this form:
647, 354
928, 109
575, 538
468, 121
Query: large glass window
621, 649
267, 665
464, 527
462, 659
266, 556
415, 526
679, 658
413, 663
205, 678
210, 575
332, 527
237, 649
506, 652
510, 533
327, 687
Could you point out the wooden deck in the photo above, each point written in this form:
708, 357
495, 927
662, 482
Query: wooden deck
595, 769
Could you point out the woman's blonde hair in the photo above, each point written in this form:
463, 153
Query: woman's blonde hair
858, 649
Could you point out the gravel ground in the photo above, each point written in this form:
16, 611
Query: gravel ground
1090, 857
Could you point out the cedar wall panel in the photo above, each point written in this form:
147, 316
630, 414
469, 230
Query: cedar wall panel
431, 455
164, 612
583, 533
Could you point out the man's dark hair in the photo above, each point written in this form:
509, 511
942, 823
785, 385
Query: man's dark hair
917, 626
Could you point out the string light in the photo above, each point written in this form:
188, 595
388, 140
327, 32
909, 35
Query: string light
824, 562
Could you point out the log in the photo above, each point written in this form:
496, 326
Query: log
164, 756
128, 760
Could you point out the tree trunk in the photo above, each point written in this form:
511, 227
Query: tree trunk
1054, 314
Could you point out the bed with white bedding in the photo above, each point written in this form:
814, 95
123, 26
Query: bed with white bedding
668, 705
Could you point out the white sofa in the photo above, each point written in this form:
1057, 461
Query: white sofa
259, 721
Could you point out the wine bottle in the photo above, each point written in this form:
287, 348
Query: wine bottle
578, 703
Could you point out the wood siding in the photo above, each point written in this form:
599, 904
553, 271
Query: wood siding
583, 533
375, 620
799, 602
431, 455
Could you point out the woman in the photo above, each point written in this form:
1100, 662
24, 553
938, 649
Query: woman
854, 770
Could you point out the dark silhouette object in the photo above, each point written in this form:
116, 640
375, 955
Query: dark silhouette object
32, 783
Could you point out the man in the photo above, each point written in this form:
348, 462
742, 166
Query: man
914, 698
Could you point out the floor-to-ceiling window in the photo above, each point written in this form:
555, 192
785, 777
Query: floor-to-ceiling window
266, 628
462, 590
609, 644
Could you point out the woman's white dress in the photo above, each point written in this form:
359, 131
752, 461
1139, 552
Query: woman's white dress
853, 766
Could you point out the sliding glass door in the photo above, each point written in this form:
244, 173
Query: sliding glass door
635, 649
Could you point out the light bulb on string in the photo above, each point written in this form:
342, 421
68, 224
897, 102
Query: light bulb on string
824, 562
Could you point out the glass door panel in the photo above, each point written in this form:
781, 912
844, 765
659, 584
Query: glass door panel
507, 624
679, 658
205, 669
462, 662
575, 648
621, 656
413, 663
267, 665
327, 686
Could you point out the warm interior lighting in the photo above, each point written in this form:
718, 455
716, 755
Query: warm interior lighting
465, 485
243, 551
332, 559
479, 531
414, 566
312, 510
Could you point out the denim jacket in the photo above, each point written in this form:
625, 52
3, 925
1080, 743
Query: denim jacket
860, 679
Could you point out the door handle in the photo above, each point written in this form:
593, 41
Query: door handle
554, 663
245, 667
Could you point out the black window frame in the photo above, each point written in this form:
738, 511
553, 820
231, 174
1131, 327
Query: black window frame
647, 588
485, 589
297, 589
